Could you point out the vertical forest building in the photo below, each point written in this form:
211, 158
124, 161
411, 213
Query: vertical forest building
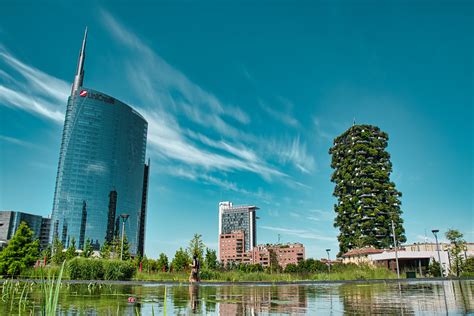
367, 200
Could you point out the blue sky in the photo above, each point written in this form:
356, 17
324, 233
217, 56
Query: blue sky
243, 101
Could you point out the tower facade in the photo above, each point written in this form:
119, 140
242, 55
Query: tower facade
368, 201
239, 218
103, 150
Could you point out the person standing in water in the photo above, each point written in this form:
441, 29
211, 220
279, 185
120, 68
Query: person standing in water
194, 277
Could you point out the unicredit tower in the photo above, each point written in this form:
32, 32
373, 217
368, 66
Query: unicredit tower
102, 178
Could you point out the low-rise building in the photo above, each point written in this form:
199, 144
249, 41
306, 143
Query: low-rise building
231, 247
11, 220
411, 257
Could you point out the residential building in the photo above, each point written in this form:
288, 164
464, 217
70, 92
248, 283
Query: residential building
101, 169
11, 220
239, 218
368, 201
285, 254
231, 247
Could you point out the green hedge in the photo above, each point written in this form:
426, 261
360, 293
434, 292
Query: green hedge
99, 269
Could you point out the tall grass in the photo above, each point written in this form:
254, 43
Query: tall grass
50, 290
349, 272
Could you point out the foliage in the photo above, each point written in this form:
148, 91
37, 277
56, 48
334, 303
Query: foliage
126, 249
46, 253
181, 260
274, 265
71, 250
50, 291
311, 266
162, 263
211, 259
58, 256
105, 250
434, 269
196, 247
457, 247
88, 250
367, 199
22, 252
291, 268
118, 270
468, 267
100, 269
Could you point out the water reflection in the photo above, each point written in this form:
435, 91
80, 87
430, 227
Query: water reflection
438, 297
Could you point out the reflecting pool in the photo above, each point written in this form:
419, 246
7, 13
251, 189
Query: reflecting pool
405, 298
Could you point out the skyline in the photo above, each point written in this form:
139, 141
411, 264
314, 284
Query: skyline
213, 132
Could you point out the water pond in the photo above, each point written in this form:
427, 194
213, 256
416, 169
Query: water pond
405, 298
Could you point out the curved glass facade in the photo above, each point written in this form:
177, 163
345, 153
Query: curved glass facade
102, 151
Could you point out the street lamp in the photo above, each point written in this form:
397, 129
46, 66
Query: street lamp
435, 231
124, 219
329, 260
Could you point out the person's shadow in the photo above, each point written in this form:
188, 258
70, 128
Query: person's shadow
194, 297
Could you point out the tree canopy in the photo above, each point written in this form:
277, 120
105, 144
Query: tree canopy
21, 253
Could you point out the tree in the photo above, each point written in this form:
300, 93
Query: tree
211, 259
162, 263
468, 267
21, 253
88, 250
434, 269
291, 268
181, 260
457, 247
46, 253
196, 247
126, 249
105, 250
367, 200
274, 265
71, 250
58, 256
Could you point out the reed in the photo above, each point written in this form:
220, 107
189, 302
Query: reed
50, 291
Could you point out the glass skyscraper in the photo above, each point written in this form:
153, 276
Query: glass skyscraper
102, 172
239, 218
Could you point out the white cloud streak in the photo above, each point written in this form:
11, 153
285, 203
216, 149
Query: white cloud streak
38, 93
300, 233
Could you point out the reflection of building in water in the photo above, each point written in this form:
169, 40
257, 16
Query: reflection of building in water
240, 300
406, 298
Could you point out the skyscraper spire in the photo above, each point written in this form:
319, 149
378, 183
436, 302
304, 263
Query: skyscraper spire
79, 77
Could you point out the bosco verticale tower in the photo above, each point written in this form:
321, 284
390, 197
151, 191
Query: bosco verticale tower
367, 200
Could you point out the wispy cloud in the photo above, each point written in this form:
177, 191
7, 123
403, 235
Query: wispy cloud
154, 79
34, 91
17, 141
283, 117
293, 151
300, 233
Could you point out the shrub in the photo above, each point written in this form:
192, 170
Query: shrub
85, 269
100, 269
468, 267
118, 270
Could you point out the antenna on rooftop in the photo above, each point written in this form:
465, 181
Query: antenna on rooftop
354, 122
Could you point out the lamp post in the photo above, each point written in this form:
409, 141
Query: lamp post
124, 219
435, 231
329, 260
396, 250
